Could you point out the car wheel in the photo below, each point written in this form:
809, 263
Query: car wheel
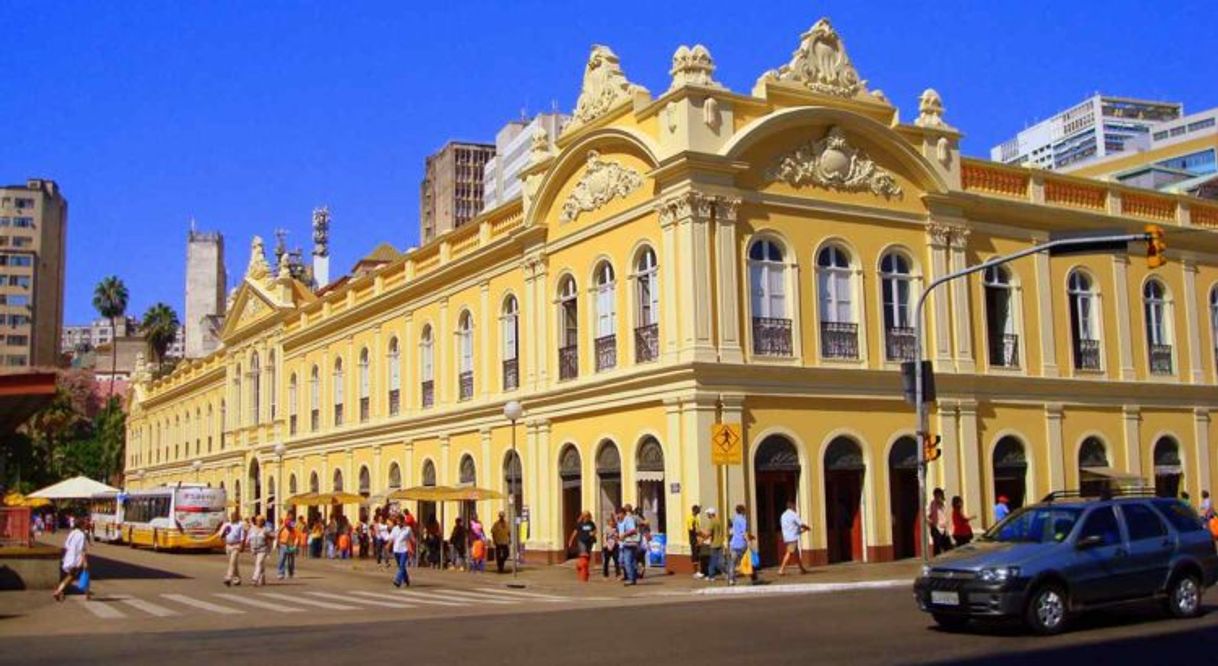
1047, 610
950, 622
1184, 596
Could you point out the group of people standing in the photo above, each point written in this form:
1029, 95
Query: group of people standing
624, 540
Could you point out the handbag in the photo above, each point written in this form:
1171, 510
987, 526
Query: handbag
82, 581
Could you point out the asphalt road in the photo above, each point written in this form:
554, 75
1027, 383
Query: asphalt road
865, 627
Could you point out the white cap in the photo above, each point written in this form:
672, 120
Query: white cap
710, 510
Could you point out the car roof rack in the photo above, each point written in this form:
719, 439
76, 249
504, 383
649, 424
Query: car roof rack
1104, 494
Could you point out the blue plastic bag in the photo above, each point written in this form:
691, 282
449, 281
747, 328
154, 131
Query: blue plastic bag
756, 556
82, 581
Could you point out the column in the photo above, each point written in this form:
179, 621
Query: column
546, 523
1131, 417
971, 460
487, 475
1201, 429
543, 353
727, 263
443, 472
1192, 321
938, 334
691, 212
1044, 305
1120, 292
668, 258
482, 380
408, 477
530, 468
674, 472
949, 460
698, 413
350, 391
1053, 449
961, 303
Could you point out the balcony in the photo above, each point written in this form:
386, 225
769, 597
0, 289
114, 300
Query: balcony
568, 362
646, 343
338, 415
427, 393
1160, 359
511, 374
365, 409
839, 339
606, 352
291, 428
465, 385
899, 343
771, 337
1087, 354
314, 420
1004, 350
395, 402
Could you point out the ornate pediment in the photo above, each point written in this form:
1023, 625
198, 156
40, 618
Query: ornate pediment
602, 182
821, 64
832, 163
605, 86
693, 66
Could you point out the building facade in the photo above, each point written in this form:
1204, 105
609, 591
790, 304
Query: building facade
33, 234
707, 256
100, 331
501, 175
206, 285
451, 192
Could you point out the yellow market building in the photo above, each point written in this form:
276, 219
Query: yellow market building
704, 256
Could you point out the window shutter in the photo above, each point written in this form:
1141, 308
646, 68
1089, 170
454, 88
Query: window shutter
778, 297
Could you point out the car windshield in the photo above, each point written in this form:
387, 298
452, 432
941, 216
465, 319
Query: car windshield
1037, 524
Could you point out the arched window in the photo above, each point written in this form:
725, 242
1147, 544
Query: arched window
237, 397
606, 316
292, 397
365, 482
337, 486
429, 473
365, 386
395, 476
1158, 327
292, 484
568, 318
1084, 324
1168, 470
467, 471
211, 414
895, 283
1000, 317
465, 355
315, 399
768, 299
647, 304
314, 483
271, 386
427, 392
177, 437
509, 324
839, 329
1092, 454
254, 375
338, 391
223, 414
395, 377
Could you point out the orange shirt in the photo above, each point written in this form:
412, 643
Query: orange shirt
287, 535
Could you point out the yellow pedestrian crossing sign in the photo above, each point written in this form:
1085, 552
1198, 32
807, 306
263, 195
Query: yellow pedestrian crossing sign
727, 444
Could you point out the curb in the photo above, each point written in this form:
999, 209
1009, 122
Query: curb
803, 588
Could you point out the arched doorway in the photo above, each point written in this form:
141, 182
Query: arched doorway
336, 485
255, 478
776, 468
1010, 471
1092, 454
569, 480
365, 491
903, 498
649, 473
314, 487
1168, 471
427, 510
844, 470
513, 483
467, 477
609, 479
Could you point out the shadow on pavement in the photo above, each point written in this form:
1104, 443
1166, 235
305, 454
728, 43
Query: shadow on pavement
104, 568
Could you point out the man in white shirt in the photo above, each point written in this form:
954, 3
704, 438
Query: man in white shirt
400, 536
233, 533
792, 526
74, 559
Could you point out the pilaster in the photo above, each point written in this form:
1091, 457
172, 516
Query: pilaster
1131, 416
1053, 438
1201, 433
669, 308
950, 457
727, 263
692, 211
443, 373
962, 304
1048, 327
1120, 272
675, 470
1192, 321
970, 459
482, 379
378, 377
939, 335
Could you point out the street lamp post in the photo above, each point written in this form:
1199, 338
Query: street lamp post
280, 506
513, 411
196, 466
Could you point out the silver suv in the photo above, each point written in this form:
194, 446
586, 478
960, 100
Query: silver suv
1050, 560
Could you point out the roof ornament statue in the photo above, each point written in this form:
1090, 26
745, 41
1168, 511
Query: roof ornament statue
821, 64
930, 110
321, 231
257, 270
604, 87
693, 66
539, 145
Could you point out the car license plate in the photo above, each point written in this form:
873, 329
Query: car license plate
944, 598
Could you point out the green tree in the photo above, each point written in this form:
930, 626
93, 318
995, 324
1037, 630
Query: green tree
110, 430
110, 300
160, 326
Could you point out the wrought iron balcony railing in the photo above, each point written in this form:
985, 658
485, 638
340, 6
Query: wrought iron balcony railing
646, 343
606, 352
427, 393
314, 422
465, 385
338, 415
1160, 359
1086, 354
365, 409
395, 402
899, 343
771, 336
1004, 350
568, 362
839, 339
291, 429
511, 374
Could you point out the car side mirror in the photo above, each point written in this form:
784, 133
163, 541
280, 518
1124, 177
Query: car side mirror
1089, 542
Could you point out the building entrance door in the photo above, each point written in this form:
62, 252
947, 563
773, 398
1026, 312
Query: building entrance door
776, 470
844, 495
903, 498
572, 495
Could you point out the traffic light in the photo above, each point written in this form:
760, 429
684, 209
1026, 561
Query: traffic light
930, 447
1156, 247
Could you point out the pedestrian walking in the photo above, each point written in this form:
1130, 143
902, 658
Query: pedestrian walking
316, 539
712, 541
259, 543
936, 518
962, 532
457, 541
286, 540
628, 534
644, 528
610, 548
582, 538
75, 561
233, 533
691, 526
330, 537
1207, 507
399, 538
792, 527
1002, 508
501, 537
477, 544
738, 542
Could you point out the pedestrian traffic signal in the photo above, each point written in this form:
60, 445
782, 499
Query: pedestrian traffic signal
930, 447
1156, 247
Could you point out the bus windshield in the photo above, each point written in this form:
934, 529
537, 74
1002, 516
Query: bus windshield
1037, 524
199, 510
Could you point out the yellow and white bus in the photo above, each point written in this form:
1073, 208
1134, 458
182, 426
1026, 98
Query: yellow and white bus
181, 517
106, 517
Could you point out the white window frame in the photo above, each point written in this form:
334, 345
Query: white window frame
768, 281
426, 355
509, 325
647, 294
900, 308
835, 286
395, 370
465, 342
605, 312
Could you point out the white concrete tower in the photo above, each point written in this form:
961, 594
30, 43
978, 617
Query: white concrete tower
205, 291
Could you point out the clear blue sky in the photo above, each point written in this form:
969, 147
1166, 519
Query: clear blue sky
247, 115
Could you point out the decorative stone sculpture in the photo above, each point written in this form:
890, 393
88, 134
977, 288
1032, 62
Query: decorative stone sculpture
930, 110
833, 163
321, 231
257, 270
821, 64
539, 145
602, 182
604, 87
693, 66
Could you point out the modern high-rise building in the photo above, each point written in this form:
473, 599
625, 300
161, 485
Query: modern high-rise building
96, 333
451, 192
205, 292
1095, 128
33, 229
501, 176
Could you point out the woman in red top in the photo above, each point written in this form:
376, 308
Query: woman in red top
962, 532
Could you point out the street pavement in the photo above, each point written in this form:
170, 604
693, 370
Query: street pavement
159, 607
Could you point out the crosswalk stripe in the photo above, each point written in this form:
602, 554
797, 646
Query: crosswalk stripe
259, 604
101, 610
434, 599
476, 596
205, 605
399, 595
147, 607
308, 602
527, 595
370, 602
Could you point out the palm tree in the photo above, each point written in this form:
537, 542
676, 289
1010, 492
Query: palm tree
110, 300
159, 327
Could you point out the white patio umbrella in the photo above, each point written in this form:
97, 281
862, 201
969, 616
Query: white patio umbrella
80, 487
